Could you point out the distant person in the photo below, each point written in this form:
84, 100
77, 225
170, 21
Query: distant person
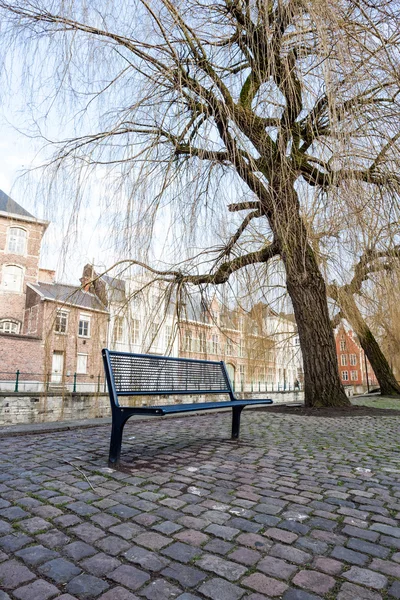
297, 384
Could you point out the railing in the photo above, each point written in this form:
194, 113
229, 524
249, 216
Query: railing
264, 386
22, 381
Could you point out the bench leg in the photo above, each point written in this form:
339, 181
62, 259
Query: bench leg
118, 422
236, 412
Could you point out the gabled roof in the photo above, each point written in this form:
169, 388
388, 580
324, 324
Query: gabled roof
9, 205
68, 294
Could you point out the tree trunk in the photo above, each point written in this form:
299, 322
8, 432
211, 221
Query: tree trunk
306, 287
379, 364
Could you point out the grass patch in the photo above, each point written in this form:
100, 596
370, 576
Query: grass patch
377, 402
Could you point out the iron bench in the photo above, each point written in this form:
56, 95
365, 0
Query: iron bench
148, 375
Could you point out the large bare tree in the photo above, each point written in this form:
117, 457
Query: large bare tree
277, 96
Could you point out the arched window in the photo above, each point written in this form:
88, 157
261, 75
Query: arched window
12, 278
17, 240
9, 326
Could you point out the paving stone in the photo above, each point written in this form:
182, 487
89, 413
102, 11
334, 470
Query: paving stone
146, 559
13, 513
255, 541
225, 568
263, 584
14, 541
218, 546
117, 593
366, 577
38, 590
167, 527
226, 533
13, 574
394, 590
245, 556
349, 591
290, 554
34, 525
129, 577
186, 576
382, 528
59, 570
349, 556
314, 581
328, 565
185, 596
126, 530
100, 564
160, 589
368, 548
4, 596
53, 539
36, 555
192, 537
220, 589
280, 535
275, 567
112, 545
152, 540
86, 586
5, 527
181, 552
292, 594
67, 521
365, 534
79, 550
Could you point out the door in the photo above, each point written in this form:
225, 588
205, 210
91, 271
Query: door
57, 367
231, 372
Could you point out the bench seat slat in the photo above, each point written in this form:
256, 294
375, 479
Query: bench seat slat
179, 408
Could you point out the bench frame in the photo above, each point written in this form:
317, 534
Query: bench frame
120, 414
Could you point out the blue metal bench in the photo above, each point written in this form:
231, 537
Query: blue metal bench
149, 375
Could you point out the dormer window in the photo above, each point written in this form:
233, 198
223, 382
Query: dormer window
17, 240
8, 326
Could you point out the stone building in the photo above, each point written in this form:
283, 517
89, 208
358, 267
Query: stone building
48, 331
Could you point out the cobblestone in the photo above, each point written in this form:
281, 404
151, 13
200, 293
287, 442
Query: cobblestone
286, 512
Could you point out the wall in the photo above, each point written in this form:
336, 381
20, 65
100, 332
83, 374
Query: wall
29, 350
35, 408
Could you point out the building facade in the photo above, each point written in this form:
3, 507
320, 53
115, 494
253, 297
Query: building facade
50, 334
354, 368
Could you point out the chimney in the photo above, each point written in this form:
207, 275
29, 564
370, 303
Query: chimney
87, 277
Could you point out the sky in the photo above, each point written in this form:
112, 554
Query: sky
67, 254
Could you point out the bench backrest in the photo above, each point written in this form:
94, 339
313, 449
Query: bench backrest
150, 375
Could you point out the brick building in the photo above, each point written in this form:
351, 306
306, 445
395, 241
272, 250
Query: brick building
352, 360
48, 331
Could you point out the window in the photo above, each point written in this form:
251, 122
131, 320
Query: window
229, 347
61, 322
135, 331
188, 340
270, 375
81, 363
155, 334
241, 349
168, 336
343, 345
84, 326
118, 333
345, 375
354, 375
343, 360
215, 344
202, 342
9, 326
12, 278
241, 373
16, 240
353, 360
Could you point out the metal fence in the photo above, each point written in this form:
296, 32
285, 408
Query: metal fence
21, 381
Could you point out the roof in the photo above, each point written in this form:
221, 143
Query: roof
115, 288
68, 294
9, 205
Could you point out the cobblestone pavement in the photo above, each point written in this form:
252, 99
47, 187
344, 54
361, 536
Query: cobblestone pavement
299, 509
